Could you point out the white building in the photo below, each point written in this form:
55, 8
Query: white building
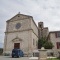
21, 32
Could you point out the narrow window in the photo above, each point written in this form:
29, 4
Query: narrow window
33, 42
57, 34
58, 45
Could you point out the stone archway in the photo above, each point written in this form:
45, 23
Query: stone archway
17, 43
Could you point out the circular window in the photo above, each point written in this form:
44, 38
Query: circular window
18, 25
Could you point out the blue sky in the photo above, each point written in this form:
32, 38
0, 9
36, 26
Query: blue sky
47, 11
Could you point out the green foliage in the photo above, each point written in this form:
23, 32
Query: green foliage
1, 51
43, 42
53, 59
48, 45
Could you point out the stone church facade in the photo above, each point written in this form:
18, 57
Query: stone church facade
21, 32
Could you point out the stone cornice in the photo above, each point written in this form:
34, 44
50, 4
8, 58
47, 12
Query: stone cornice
17, 31
16, 20
20, 18
21, 31
16, 39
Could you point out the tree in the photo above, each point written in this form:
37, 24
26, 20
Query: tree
43, 42
48, 45
1, 51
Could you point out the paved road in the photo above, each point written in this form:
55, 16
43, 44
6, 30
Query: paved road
9, 58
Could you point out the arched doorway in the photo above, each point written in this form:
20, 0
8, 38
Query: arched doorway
17, 43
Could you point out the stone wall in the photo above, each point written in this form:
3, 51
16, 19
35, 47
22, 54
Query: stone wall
24, 35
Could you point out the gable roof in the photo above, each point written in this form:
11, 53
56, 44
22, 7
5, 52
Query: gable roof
19, 17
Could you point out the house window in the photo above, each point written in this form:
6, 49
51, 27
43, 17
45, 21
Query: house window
58, 45
57, 34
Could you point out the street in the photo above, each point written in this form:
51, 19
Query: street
10, 58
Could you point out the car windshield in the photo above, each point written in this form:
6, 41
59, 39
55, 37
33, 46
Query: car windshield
15, 51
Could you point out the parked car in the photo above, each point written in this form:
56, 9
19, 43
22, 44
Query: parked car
17, 53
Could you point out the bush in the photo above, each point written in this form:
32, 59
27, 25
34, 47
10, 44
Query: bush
48, 45
43, 42
1, 51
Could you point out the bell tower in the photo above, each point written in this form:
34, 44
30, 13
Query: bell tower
40, 29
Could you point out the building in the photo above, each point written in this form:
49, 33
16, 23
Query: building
42, 31
54, 37
21, 32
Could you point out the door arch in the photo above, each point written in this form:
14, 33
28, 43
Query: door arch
17, 43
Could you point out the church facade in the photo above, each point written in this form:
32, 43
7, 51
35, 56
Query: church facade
21, 32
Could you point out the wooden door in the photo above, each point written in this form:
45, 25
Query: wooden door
16, 45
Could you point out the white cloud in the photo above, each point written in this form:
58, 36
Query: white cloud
47, 11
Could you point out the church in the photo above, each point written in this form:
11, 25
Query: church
22, 33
